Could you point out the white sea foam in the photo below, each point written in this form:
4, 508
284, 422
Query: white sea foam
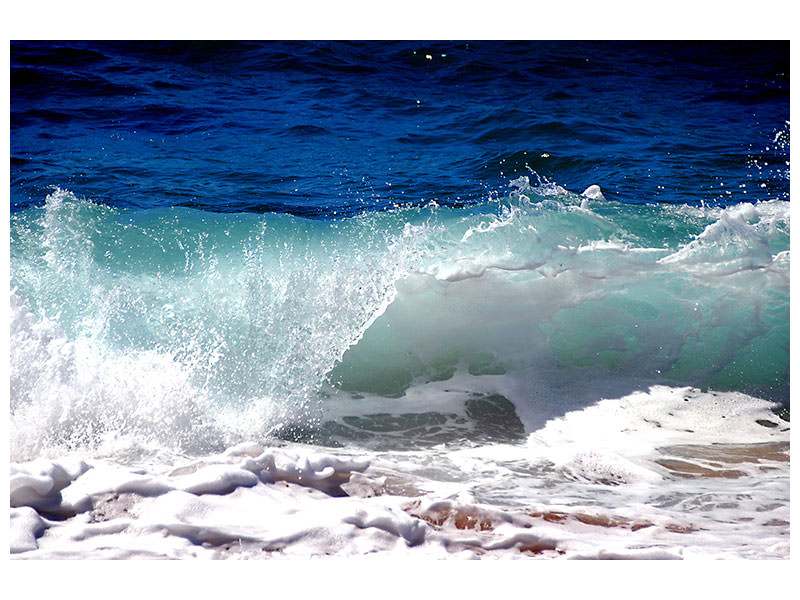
539, 381
622, 435
607, 495
739, 239
67, 394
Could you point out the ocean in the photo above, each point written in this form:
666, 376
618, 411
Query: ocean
491, 299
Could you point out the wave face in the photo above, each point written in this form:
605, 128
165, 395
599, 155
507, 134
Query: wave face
222, 327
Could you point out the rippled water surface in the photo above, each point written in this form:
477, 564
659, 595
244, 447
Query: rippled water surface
330, 128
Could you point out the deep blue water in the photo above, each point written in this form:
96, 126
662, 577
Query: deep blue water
331, 128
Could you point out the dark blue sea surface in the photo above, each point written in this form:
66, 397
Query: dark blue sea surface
335, 128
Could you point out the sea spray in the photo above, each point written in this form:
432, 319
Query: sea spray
241, 321
163, 311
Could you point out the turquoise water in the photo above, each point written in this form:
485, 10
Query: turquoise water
574, 297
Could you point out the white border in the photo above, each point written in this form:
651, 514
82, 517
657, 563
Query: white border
412, 19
